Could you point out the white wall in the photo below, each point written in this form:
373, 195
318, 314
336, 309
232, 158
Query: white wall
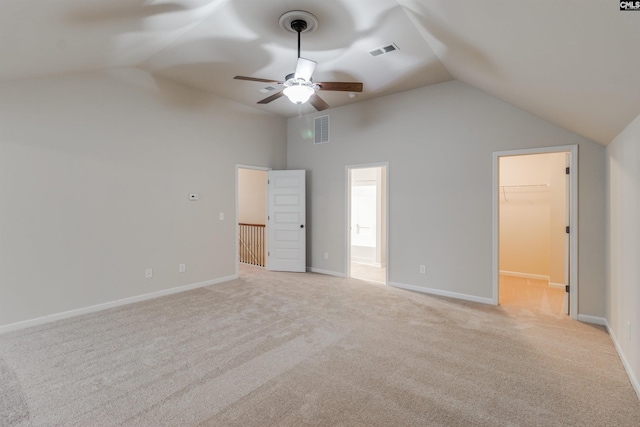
623, 246
439, 141
95, 172
252, 196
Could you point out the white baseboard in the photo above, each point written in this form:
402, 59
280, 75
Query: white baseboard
627, 366
99, 307
366, 262
592, 319
327, 272
525, 275
363, 260
442, 293
557, 285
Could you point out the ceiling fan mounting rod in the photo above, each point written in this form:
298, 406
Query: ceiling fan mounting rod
299, 25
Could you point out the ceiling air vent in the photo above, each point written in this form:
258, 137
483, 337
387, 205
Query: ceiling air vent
385, 49
321, 134
267, 89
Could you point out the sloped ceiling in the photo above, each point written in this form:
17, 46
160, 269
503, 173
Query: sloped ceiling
571, 62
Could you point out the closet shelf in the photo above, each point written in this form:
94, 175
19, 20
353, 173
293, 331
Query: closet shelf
523, 189
525, 186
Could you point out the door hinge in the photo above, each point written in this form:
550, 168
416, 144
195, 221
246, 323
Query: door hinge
568, 170
568, 229
268, 253
567, 288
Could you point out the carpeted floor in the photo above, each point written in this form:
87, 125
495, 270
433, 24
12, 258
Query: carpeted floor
288, 349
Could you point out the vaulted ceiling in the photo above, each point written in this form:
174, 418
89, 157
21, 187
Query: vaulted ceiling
572, 62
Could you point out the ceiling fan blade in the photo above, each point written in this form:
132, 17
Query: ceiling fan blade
271, 98
253, 79
304, 69
318, 103
341, 86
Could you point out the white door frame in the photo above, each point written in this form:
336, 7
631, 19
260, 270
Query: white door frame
573, 203
266, 209
347, 227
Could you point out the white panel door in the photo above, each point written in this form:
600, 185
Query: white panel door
287, 226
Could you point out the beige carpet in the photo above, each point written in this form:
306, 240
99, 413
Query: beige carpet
305, 349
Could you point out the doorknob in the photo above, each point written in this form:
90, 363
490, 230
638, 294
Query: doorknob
301, 225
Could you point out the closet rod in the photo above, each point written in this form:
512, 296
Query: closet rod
525, 186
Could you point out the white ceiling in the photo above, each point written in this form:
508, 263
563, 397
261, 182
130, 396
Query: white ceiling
572, 62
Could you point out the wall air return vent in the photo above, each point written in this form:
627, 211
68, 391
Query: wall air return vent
321, 134
384, 49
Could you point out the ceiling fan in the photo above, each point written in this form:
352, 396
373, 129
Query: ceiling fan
299, 87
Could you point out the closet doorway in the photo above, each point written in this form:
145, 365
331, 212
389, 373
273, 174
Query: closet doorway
534, 238
367, 222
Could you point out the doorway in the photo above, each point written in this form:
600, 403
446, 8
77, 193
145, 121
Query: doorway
534, 213
251, 197
270, 218
367, 220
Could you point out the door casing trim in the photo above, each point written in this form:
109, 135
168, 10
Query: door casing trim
573, 206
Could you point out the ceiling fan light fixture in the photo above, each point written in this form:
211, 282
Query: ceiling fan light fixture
299, 86
298, 94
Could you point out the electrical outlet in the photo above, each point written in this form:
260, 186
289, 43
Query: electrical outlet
423, 269
326, 255
221, 216
193, 197
182, 268
148, 273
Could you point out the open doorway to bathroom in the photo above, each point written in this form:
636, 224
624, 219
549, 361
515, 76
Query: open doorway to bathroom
367, 222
